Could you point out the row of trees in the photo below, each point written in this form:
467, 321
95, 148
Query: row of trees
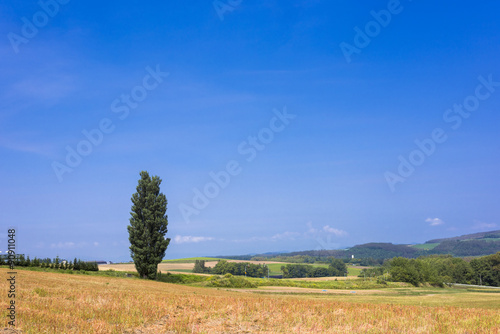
439, 269
335, 268
240, 268
366, 261
56, 263
488, 269
235, 268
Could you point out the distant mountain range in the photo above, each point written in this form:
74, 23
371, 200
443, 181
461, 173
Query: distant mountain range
476, 244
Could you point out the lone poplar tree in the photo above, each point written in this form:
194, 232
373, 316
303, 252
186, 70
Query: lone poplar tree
148, 226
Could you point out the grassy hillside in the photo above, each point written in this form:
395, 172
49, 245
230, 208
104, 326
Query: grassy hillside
472, 247
474, 236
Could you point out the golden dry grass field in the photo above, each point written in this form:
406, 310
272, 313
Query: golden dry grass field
61, 303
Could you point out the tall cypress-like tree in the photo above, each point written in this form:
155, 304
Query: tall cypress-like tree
148, 226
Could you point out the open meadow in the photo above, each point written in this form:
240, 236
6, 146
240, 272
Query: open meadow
50, 302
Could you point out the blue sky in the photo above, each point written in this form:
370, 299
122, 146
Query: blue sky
309, 112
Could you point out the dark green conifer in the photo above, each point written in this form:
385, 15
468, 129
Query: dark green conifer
148, 226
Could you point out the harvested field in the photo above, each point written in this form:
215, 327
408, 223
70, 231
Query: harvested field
63, 303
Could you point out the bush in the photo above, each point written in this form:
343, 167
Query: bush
406, 270
179, 278
229, 281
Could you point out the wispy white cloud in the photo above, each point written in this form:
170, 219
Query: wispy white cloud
337, 232
190, 239
434, 221
52, 87
479, 225
286, 236
69, 245
310, 228
310, 233
45, 150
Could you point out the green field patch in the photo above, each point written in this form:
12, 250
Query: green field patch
275, 268
351, 271
484, 290
426, 246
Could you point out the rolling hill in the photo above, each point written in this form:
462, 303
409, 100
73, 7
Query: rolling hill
476, 244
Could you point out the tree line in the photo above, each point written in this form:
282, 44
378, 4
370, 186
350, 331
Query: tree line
56, 263
235, 268
336, 267
440, 269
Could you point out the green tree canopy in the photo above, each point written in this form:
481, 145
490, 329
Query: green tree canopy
148, 226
